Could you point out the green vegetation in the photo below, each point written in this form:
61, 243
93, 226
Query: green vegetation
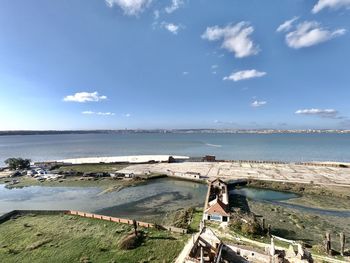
17, 163
303, 189
92, 168
65, 238
186, 218
300, 225
246, 225
196, 219
105, 183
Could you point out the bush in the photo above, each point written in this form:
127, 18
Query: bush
245, 224
18, 163
131, 241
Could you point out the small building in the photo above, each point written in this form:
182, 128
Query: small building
209, 158
188, 175
217, 202
217, 211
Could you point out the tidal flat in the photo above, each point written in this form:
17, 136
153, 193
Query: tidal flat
295, 224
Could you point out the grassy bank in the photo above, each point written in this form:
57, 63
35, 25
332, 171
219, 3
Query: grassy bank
311, 189
106, 184
92, 168
64, 238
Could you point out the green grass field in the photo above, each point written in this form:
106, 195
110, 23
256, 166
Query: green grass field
64, 238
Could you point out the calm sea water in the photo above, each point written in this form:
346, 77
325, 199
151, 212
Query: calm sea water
283, 147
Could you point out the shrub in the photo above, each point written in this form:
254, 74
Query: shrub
18, 163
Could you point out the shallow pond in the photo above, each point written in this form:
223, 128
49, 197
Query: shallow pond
277, 197
263, 194
157, 197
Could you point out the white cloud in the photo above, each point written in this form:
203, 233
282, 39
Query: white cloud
185, 73
98, 113
245, 74
311, 33
130, 7
324, 113
84, 97
287, 25
332, 4
172, 28
257, 103
127, 115
214, 66
236, 38
175, 4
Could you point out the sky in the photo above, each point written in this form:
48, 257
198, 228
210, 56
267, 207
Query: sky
167, 64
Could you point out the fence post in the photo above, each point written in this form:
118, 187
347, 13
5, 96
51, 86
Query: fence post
342, 243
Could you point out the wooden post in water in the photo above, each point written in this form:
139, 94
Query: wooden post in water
328, 245
342, 243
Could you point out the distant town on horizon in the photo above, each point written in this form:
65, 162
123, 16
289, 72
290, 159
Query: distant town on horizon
220, 131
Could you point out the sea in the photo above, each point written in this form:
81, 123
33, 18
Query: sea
277, 147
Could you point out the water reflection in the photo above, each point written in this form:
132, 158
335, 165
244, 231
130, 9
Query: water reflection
158, 196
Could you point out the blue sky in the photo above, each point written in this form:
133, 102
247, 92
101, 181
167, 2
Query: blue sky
115, 64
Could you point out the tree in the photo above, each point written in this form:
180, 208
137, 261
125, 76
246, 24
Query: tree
18, 163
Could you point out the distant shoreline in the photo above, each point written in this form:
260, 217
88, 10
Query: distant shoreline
175, 131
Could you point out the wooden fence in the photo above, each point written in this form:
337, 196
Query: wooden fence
13, 213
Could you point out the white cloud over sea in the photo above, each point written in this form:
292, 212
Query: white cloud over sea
331, 4
130, 7
257, 103
324, 113
287, 25
85, 97
244, 75
307, 33
171, 27
236, 38
175, 4
98, 113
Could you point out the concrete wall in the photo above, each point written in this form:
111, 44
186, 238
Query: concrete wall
252, 256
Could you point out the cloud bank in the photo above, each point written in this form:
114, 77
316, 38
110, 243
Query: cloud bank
324, 113
84, 97
98, 113
235, 38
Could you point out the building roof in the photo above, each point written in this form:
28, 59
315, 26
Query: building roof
218, 180
218, 208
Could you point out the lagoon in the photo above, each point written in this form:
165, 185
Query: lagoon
156, 198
